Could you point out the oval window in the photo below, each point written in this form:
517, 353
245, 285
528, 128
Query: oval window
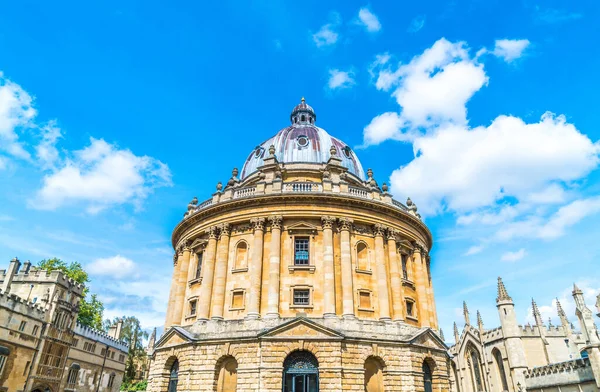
347, 152
302, 141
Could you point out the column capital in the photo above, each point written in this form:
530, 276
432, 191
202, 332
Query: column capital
327, 221
186, 246
345, 224
258, 223
224, 230
175, 257
276, 221
212, 232
391, 234
419, 249
379, 230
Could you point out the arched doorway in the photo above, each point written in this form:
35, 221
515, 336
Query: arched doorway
227, 375
427, 377
173, 377
300, 372
374, 375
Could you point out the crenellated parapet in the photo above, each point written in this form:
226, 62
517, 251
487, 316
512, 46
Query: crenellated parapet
21, 305
100, 336
568, 373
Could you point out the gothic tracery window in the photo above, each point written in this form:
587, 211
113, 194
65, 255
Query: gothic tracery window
475, 369
500, 368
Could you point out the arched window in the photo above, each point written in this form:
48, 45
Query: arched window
241, 255
475, 368
303, 118
199, 257
300, 372
427, 377
456, 379
374, 375
173, 376
500, 368
362, 256
73, 373
227, 375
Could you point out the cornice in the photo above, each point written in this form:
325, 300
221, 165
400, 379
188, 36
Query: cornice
289, 199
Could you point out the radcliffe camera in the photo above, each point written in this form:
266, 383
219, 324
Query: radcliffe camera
299, 197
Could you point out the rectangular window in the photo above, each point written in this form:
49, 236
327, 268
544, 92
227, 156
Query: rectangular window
35, 330
193, 304
22, 326
72, 379
199, 264
404, 266
75, 342
410, 308
237, 300
301, 248
121, 358
364, 300
111, 380
25, 369
301, 297
112, 355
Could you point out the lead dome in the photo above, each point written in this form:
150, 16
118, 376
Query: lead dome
303, 142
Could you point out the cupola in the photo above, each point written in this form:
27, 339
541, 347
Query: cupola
303, 114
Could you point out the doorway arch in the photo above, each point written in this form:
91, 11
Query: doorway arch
300, 372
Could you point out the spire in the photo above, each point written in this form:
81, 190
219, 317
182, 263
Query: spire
502, 293
456, 337
442, 335
479, 321
152, 341
536, 313
466, 313
559, 309
576, 289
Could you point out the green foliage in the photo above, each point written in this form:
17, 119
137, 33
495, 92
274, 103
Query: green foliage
90, 311
136, 386
133, 334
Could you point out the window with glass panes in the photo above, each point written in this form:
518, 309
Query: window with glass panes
301, 247
404, 266
199, 264
301, 297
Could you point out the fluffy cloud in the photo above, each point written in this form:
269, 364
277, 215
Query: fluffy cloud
369, 20
513, 256
16, 113
432, 88
46, 151
473, 250
327, 34
116, 266
510, 49
462, 169
340, 79
101, 175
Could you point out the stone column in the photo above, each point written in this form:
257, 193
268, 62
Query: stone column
274, 267
207, 275
181, 284
421, 286
220, 279
382, 275
395, 277
433, 322
172, 291
346, 264
328, 268
258, 224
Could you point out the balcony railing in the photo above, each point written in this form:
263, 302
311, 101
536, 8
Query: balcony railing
358, 192
244, 192
301, 187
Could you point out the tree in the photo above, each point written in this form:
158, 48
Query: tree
90, 312
133, 334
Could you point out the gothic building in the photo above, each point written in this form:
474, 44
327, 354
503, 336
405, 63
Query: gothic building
42, 347
513, 357
301, 274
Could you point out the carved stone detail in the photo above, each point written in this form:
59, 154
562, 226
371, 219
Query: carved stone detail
276, 221
327, 222
345, 224
379, 230
224, 229
212, 232
258, 223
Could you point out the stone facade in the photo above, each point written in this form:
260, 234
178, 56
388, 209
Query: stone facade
42, 348
302, 257
514, 357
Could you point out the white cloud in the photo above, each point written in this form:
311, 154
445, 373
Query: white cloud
434, 87
510, 49
473, 250
369, 20
416, 24
460, 169
513, 256
327, 34
16, 113
118, 267
46, 150
340, 79
101, 175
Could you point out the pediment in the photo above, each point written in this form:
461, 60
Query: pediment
301, 329
302, 227
426, 337
198, 243
173, 337
467, 336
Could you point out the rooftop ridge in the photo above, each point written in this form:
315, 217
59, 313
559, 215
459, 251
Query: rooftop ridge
99, 333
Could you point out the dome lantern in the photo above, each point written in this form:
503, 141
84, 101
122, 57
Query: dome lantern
303, 113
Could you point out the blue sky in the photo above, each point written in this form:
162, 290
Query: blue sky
113, 115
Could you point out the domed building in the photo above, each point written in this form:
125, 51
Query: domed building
301, 274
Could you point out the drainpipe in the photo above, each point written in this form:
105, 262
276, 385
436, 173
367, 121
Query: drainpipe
102, 370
